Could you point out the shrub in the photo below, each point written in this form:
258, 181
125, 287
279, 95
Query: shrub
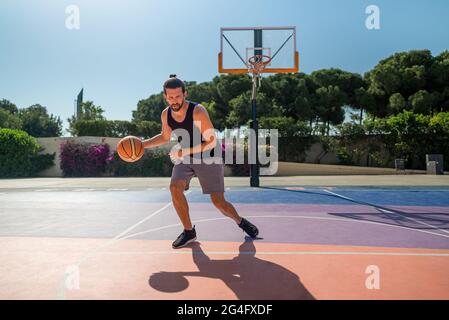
154, 163
295, 137
84, 160
238, 170
19, 155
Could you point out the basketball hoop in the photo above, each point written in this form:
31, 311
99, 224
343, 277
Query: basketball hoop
257, 51
257, 63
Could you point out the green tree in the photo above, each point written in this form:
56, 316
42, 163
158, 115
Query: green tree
9, 115
408, 136
347, 82
439, 82
199, 92
397, 103
38, 123
291, 94
8, 106
150, 109
330, 102
224, 88
405, 73
422, 102
363, 101
336, 88
89, 112
241, 108
9, 120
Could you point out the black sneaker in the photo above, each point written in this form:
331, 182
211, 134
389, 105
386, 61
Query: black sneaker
249, 228
184, 238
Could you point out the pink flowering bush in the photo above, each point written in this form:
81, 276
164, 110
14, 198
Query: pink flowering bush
84, 160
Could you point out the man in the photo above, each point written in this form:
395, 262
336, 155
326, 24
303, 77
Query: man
189, 122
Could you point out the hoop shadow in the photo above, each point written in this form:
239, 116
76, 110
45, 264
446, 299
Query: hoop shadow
249, 277
386, 215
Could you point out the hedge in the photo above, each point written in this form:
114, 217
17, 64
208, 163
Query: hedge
19, 155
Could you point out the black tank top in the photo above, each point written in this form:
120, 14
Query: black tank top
190, 129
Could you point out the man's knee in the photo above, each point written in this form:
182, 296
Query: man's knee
177, 187
218, 200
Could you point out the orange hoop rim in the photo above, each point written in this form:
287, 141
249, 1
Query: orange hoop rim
257, 66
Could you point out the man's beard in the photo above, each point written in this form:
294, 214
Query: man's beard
176, 107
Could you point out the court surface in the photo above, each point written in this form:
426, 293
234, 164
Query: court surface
316, 242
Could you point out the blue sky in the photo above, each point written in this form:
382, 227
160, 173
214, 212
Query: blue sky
124, 50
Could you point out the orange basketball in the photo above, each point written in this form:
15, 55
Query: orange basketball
130, 149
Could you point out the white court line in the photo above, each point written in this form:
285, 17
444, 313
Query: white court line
117, 189
349, 253
83, 189
290, 217
390, 212
45, 190
61, 293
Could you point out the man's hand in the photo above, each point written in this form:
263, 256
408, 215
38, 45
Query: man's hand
176, 154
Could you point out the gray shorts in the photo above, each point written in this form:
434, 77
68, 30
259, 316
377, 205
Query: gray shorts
211, 176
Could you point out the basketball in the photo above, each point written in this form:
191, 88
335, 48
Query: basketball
130, 149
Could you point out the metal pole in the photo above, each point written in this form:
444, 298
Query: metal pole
254, 168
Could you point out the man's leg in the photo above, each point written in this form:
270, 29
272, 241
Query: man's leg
228, 210
224, 206
179, 200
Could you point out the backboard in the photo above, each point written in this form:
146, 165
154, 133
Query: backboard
239, 45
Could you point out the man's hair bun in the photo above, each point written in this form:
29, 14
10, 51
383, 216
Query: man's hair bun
172, 76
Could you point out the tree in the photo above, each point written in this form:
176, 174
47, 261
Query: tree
199, 92
405, 73
89, 112
232, 85
291, 94
336, 88
330, 100
38, 123
8, 106
397, 103
8, 115
364, 100
348, 82
422, 102
439, 82
223, 89
9, 120
150, 109
240, 109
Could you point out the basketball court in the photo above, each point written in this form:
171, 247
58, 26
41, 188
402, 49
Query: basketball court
63, 241
108, 240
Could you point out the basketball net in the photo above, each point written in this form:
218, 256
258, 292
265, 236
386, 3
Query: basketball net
256, 64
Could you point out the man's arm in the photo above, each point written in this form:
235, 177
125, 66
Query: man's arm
163, 137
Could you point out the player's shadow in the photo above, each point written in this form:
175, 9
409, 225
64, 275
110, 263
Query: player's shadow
249, 277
